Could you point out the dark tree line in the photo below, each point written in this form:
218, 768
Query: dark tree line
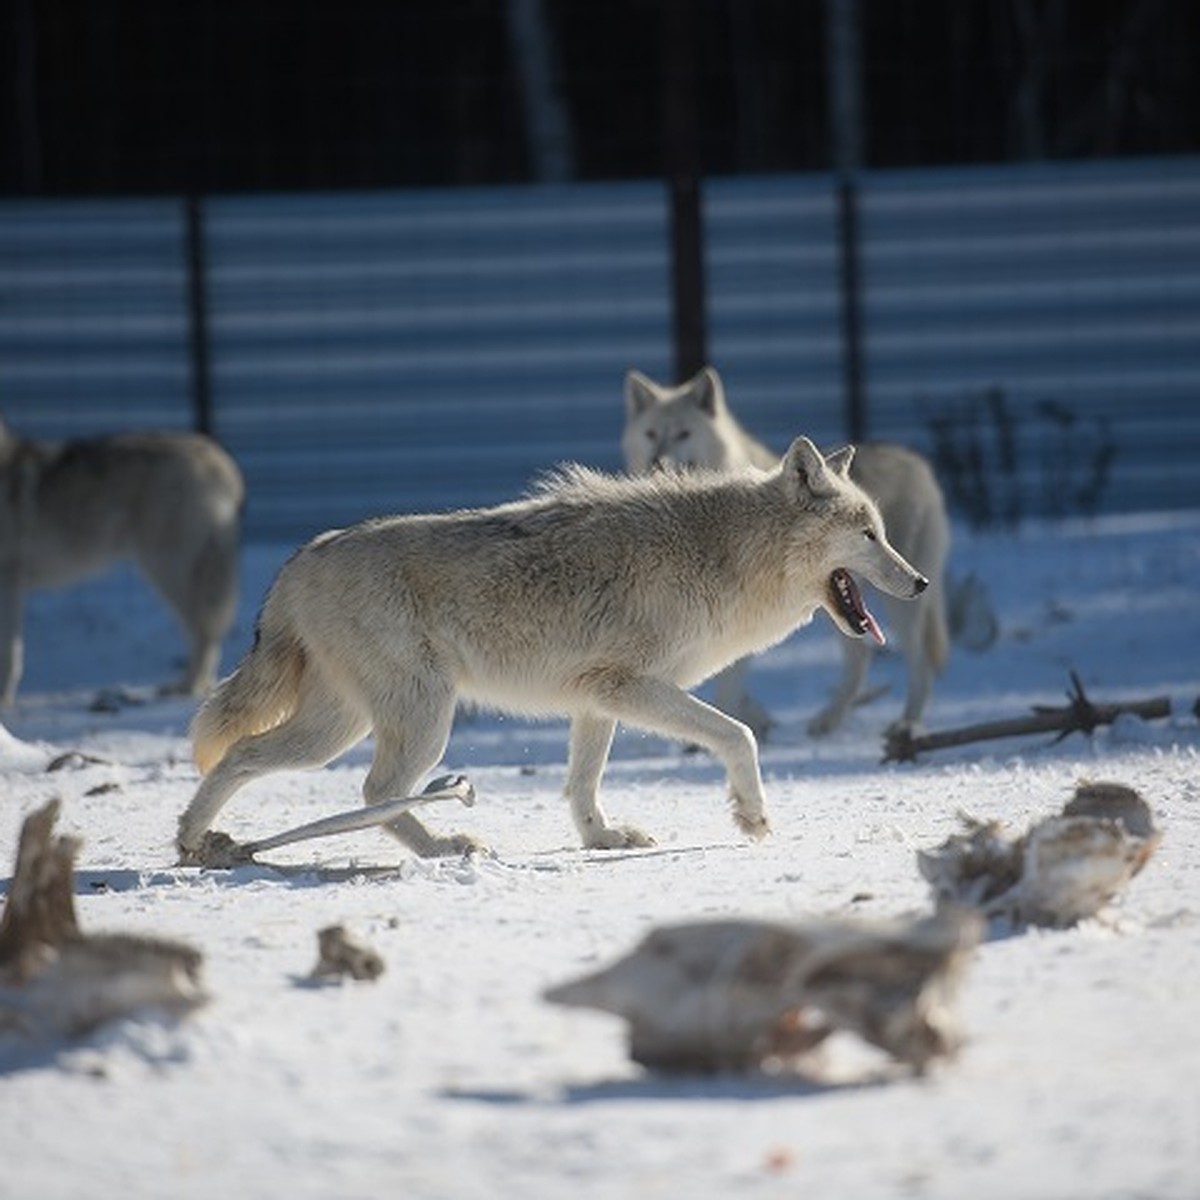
150, 96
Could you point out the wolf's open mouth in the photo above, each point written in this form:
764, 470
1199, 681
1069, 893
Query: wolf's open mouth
849, 602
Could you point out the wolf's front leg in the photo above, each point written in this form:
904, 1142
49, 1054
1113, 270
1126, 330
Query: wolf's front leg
662, 707
856, 659
591, 737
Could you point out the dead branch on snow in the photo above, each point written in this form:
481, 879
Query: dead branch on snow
1079, 715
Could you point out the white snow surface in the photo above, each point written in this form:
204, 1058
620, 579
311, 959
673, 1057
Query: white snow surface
449, 1076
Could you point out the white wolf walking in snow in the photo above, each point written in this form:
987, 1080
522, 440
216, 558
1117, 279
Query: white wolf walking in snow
692, 426
171, 502
597, 597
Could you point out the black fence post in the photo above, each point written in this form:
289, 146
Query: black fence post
851, 318
197, 301
681, 135
845, 131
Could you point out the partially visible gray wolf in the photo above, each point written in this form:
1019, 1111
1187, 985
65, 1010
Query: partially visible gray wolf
692, 426
598, 597
171, 502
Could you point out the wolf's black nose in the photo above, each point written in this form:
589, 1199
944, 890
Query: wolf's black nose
921, 584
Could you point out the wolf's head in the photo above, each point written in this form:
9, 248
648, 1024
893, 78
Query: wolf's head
839, 535
685, 426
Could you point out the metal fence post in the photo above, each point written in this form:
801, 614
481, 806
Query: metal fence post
681, 134
845, 131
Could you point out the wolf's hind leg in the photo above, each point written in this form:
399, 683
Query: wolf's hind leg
664, 708
591, 738
410, 739
319, 730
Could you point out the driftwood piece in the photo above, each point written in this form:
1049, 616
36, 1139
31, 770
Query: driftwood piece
56, 981
1079, 715
1063, 869
338, 955
743, 995
217, 850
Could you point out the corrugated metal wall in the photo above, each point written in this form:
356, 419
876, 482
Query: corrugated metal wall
384, 351
431, 349
1070, 289
93, 315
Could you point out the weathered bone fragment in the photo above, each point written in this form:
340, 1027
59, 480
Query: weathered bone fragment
1063, 869
340, 955
743, 995
56, 981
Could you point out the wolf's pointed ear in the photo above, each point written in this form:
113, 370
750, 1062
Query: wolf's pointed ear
839, 461
641, 393
805, 466
707, 391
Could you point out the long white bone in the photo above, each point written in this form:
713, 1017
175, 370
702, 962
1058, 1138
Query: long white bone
445, 787
220, 851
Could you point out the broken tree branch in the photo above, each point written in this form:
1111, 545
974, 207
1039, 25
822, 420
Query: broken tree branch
1080, 715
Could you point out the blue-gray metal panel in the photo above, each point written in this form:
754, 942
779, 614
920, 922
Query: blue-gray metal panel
377, 351
391, 351
93, 316
771, 267
1072, 283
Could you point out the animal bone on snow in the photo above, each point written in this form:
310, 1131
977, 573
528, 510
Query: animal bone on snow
1063, 869
737, 995
339, 954
55, 981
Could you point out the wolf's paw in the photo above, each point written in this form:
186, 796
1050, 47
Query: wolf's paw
216, 850
617, 837
455, 845
754, 826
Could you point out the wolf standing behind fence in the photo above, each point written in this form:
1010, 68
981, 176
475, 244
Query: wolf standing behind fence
170, 502
601, 598
692, 426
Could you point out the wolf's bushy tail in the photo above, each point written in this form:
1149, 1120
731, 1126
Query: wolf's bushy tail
261, 694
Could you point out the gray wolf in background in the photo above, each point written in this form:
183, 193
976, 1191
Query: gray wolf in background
692, 426
597, 597
171, 502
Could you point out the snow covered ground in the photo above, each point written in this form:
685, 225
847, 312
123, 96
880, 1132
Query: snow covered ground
450, 1077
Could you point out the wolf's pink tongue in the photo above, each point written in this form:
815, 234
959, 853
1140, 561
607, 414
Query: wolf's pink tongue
873, 627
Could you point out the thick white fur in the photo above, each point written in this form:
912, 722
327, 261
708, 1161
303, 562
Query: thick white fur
602, 598
692, 426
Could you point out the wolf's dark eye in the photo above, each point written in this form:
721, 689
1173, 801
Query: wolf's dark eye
683, 435
870, 535
651, 434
